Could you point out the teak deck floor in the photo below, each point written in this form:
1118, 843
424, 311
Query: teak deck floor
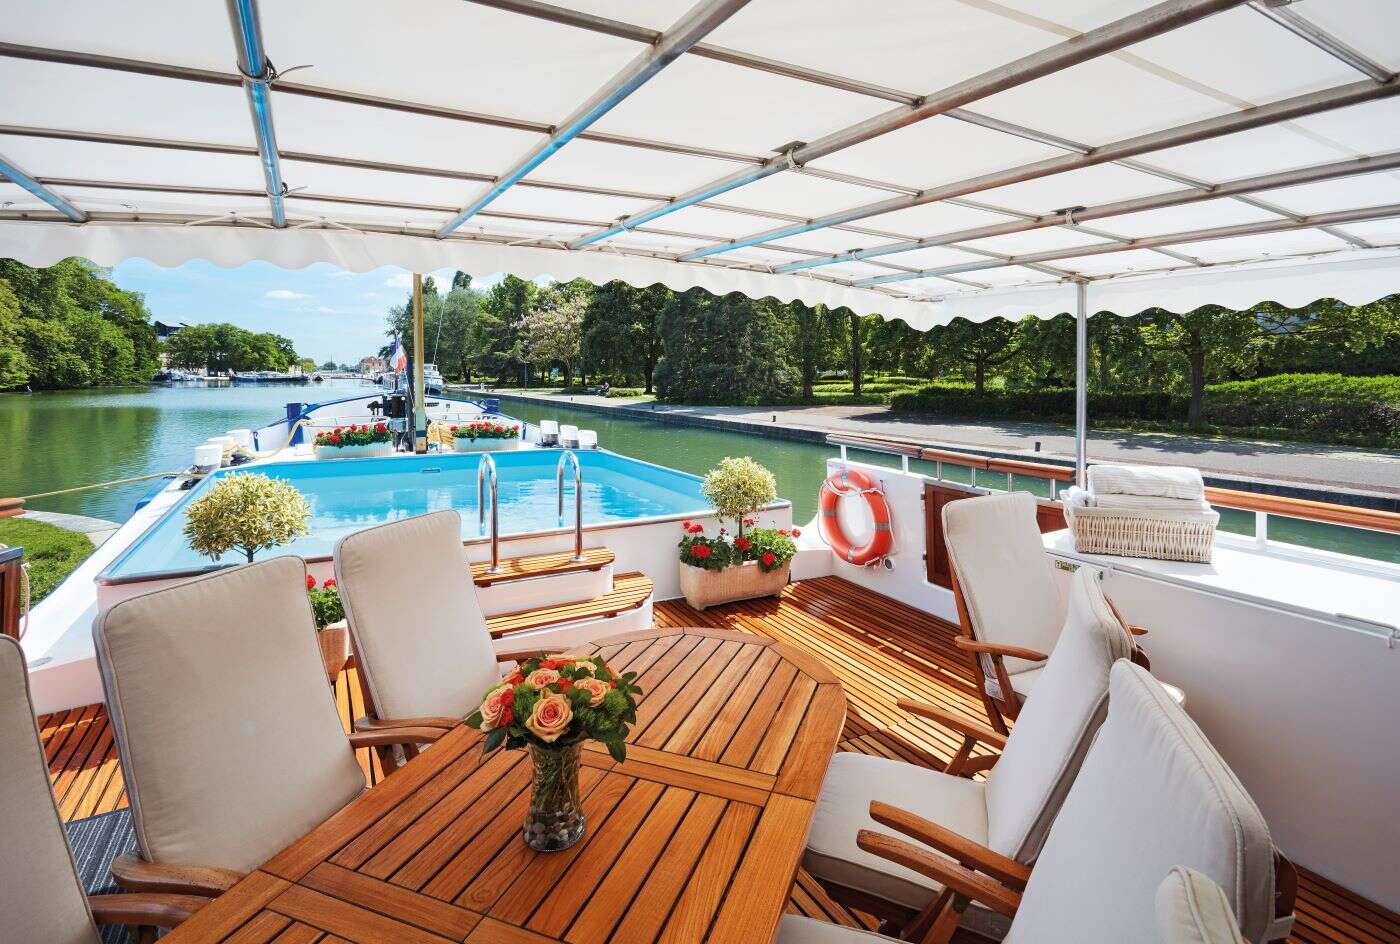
880, 649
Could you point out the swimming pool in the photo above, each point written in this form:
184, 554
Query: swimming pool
348, 495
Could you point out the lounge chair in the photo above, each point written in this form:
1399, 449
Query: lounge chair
230, 742
1152, 795
999, 824
41, 898
1191, 909
1010, 604
425, 656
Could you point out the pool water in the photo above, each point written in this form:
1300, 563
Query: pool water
347, 495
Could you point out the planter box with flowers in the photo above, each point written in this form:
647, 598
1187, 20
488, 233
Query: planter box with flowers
355, 441
485, 437
331, 628
552, 706
756, 562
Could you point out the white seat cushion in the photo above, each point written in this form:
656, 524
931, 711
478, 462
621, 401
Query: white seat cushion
230, 742
1153, 794
1191, 909
798, 930
1023, 682
852, 782
40, 898
419, 633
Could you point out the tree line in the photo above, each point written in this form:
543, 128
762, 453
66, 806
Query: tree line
697, 347
222, 347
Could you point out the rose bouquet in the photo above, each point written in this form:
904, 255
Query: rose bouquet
552, 706
557, 702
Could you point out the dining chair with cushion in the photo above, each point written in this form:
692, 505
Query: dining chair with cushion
1152, 795
999, 823
424, 654
1190, 909
41, 897
230, 742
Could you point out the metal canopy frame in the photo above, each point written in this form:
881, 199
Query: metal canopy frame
256, 75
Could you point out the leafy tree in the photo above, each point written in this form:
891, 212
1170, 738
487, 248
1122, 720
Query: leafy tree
975, 346
329, 365
553, 329
622, 332
724, 349
855, 346
50, 350
496, 336
14, 363
812, 341
1209, 342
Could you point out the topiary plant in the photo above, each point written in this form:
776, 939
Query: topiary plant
249, 512
738, 488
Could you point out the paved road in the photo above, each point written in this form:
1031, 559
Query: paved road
1368, 470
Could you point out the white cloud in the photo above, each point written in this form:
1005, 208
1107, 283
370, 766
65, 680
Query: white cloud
284, 295
325, 311
399, 280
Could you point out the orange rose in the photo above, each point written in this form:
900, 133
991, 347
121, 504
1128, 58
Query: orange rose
550, 719
497, 707
542, 677
596, 689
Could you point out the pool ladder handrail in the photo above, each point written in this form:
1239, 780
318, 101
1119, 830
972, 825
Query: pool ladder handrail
565, 458
485, 467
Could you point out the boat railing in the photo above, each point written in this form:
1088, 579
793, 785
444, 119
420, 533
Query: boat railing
567, 457
1261, 505
486, 470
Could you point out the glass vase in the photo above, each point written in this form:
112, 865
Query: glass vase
555, 820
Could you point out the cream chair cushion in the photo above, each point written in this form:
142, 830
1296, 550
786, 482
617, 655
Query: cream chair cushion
794, 929
230, 742
1048, 743
1191, 909
420, 637
994, 544
1153, 794
40, 898
843, 809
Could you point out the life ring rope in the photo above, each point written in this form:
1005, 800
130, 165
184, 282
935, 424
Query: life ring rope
853, 482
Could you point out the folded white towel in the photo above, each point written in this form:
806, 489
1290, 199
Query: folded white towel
1149, 502
1166, 481
1074, 495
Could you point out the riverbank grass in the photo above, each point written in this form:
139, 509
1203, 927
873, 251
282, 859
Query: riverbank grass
51, 552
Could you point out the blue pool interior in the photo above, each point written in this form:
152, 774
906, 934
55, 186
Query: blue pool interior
347, 495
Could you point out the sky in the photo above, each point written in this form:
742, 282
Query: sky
329, 313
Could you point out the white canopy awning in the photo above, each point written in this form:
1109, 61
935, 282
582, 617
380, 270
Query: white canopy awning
923, 159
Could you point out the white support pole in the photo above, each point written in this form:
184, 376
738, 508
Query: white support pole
1081, 382
420, 411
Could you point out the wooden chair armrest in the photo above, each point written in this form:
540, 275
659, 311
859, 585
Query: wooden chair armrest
973, 729
145, 909
386, 737
993, 649
379, 724
946, 872
134, 874
1137, 630
971, 854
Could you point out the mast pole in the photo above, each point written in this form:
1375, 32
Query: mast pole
1081, 383
420, 412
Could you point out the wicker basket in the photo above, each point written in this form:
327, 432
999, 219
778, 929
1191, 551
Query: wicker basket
1162, 535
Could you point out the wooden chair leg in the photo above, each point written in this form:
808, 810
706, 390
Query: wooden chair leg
947, 921
921, 926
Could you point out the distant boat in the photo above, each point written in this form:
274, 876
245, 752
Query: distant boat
268, 377
317, 378
432, 379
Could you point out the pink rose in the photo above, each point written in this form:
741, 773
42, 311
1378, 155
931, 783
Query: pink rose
584, 664
542, 677
596, 689
550, 719
497, 708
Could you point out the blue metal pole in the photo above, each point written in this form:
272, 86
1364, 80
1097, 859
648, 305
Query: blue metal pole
12, 170
257, 80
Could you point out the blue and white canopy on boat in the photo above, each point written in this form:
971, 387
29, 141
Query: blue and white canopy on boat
921, 159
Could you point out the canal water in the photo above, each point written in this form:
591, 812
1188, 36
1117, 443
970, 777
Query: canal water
57, 440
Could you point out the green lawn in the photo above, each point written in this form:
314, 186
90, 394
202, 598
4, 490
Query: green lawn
51, 552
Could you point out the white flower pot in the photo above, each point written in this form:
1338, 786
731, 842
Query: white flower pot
355, 452
462, 444
703, 588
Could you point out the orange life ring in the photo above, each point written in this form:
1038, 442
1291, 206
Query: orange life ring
854, 482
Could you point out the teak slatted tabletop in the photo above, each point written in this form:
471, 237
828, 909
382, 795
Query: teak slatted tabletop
695, 837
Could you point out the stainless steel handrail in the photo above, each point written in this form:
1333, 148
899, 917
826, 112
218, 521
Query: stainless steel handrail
483, 467
565, 458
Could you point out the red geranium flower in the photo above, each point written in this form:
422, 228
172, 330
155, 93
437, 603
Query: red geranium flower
381, 428
769, 559
697, 528
686, 524
749, 522
329, 584
339, 428
795, 533
310, 582
700, 551
742, 544
335, 439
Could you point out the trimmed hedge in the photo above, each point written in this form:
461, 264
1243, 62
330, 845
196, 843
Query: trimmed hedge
1314, 387
1365, 424
1038, 404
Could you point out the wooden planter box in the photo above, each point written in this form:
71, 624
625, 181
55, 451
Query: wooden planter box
484, 444
703, 588
355, 452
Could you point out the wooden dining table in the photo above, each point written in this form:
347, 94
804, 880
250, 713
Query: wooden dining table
695, 837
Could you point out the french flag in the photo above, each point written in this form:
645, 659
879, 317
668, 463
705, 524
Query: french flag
398, 359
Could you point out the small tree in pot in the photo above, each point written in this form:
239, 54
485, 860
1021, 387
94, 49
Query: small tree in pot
717, 570
248, 512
